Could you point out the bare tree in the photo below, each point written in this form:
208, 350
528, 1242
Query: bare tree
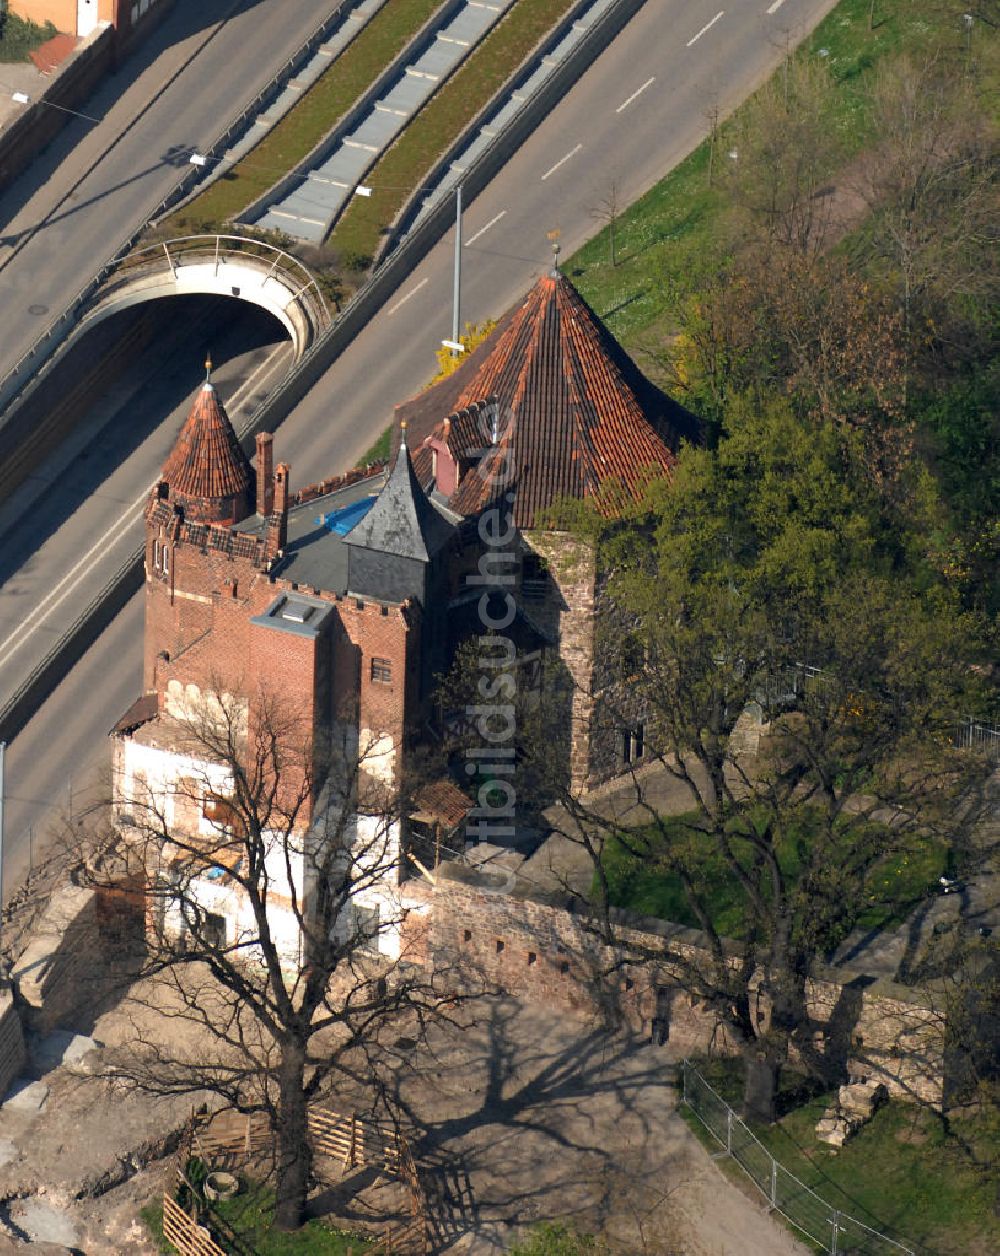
607, 211
263, 854
930, 186
785, 154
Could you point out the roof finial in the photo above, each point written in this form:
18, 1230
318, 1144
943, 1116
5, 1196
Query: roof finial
208, 371
402, 433
556, 250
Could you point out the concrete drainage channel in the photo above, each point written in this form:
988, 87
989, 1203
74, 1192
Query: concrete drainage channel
450, 169
307, 204
345, 23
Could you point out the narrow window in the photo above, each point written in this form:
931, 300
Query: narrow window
633, 743
381, 671
533, 578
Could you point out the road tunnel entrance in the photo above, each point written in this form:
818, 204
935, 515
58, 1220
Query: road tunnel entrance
123, 384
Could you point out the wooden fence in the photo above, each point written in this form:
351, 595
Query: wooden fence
229, 1139
185, 1233
356, 1141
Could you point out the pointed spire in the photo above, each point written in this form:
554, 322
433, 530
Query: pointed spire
207, 473
403, 521
563, 409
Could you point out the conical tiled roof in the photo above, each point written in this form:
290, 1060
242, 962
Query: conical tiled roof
402, 521
573, 412
207, 472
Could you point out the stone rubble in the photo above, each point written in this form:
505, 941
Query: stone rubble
856, 1104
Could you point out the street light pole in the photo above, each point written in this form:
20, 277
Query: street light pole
456, 296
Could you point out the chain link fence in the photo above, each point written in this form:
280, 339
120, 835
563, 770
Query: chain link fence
831, 1230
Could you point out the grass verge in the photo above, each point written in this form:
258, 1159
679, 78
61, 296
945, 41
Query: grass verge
251, 1214
379, 452
671, 233
642, 885
440, 122
323, 105
903, 1173
19, 37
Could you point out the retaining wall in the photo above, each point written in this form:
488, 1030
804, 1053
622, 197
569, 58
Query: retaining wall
13, 1056
61, 972
73, 82
474, 938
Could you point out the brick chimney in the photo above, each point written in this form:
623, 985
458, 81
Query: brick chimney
277, 523
265, 474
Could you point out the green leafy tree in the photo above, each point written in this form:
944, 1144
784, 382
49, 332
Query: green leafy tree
762, 578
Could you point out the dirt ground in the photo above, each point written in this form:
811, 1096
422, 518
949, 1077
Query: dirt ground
517, 1116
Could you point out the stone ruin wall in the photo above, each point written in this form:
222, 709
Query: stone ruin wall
541, 952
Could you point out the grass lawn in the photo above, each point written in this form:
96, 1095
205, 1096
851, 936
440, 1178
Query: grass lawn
670, 235
19, 37
250, 1214
639, 885
902, 1173
329, 98
379, 452
443, 118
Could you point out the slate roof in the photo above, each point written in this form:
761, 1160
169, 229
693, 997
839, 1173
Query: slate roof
207, 462
574, 411
403, 521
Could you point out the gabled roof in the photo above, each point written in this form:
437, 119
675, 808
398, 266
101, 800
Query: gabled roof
574, 411
403, 521
207, 464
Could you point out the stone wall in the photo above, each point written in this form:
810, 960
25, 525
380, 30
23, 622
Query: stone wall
567, 615
475, 935
12, 1053
69, 87
62, 972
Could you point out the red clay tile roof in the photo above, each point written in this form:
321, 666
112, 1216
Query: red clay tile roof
574, 412
207, 469
442, 801
140, 712
53, 52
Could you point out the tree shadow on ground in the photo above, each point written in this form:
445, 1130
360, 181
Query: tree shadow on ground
523, 1125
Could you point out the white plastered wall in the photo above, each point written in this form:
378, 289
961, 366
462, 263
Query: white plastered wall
155, 774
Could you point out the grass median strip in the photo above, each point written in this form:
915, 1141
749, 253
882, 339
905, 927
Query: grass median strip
323, 105
441, 121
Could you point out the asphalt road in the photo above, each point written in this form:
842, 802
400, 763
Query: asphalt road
637, 111
96, 184
77, 520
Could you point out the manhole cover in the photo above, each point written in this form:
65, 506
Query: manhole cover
38, 309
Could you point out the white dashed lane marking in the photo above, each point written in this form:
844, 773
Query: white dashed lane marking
638, 92
707, 27
561, 162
